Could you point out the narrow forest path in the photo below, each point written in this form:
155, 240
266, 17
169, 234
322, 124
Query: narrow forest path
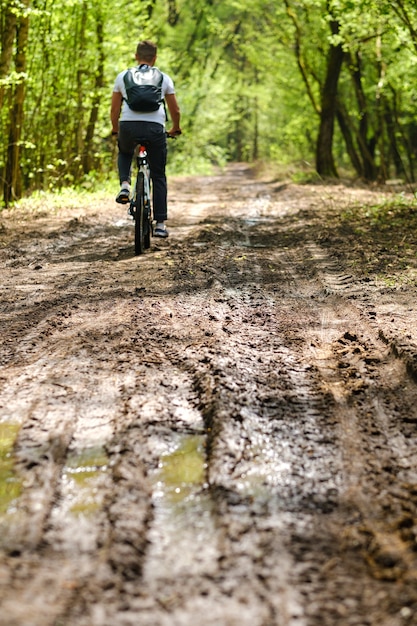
222, 431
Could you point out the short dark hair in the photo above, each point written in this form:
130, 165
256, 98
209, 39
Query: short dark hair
146, 50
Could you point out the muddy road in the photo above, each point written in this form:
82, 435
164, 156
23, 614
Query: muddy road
220, 432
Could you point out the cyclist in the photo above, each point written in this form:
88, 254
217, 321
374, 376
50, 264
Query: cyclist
133, 127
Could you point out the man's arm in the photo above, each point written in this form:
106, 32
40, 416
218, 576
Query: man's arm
174, 112
116, 107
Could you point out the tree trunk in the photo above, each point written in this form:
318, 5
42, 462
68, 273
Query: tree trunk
88, 161
12, 183
345, 128
6, 51
366, 145
8, 33
324, 153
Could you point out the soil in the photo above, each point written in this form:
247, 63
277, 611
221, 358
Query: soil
221, 431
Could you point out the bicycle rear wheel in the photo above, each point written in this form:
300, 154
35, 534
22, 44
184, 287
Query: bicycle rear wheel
147, 227
140, 215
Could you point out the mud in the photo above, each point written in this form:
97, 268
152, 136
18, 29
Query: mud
219, 432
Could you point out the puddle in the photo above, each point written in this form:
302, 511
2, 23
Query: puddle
31, 287
253, 221
10, 483
81, 480
254, 244
182, 472
182, 534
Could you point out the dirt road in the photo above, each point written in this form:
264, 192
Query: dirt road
221, 432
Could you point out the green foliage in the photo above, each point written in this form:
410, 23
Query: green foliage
250, 78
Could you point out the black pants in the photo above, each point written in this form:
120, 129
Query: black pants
154, 137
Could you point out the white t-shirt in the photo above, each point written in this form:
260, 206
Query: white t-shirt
127, 115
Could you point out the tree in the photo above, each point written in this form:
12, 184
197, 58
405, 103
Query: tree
325, 164
12, 179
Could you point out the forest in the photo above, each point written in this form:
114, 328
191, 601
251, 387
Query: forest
324, 85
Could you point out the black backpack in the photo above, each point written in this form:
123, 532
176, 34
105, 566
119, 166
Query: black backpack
143, 88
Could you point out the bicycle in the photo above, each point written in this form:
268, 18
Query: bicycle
140, 204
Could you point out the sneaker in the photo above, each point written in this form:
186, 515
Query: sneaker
123, 196
161, 230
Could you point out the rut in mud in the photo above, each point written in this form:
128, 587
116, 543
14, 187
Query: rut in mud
221, 431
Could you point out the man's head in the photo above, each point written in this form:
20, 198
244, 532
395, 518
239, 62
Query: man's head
146, 52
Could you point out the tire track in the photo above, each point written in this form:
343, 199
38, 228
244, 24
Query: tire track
371, 390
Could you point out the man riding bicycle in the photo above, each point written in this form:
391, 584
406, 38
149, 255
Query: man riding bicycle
133, 127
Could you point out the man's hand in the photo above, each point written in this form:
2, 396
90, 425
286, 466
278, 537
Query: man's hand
174, 132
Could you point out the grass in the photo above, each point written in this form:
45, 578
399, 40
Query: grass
381, 238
